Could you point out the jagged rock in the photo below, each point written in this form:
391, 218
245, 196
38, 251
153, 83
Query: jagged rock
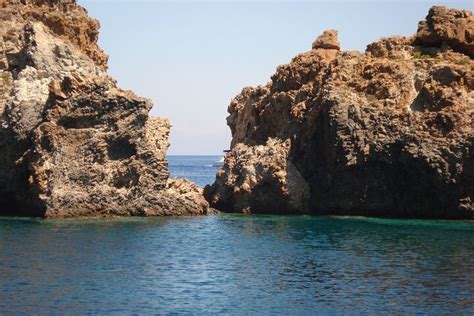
71, 142
261, 177
63, 18
385, 133
395, 47
453, 28
327, 40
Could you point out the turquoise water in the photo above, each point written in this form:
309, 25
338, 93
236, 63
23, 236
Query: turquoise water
236, 264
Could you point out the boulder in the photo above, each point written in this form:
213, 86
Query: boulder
327, 40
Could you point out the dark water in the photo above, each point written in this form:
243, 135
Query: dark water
234, 264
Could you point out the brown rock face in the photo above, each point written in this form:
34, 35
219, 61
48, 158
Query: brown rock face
64, 19
386, 133
453, 28
71, 142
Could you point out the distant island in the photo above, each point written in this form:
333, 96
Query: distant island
388, 132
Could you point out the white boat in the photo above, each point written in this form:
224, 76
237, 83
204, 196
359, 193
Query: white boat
218, 162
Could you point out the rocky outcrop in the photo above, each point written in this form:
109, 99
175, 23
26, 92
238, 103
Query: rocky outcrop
262, 178
71, 142
63, 18
327, 40
453, 28
388, 132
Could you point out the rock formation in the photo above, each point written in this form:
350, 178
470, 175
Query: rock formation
71, 142
327, 40
388, 132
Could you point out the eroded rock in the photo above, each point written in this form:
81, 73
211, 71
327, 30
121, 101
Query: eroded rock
385, 133
71, 142
261, 177
452, 28
327, 40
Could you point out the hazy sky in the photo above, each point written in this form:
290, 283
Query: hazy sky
191, 58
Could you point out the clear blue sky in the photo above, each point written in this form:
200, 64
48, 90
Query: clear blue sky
191, 58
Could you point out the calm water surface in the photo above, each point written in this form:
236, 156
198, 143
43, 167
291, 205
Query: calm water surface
235, 264
199, 169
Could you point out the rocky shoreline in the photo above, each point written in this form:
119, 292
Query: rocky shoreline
388, 132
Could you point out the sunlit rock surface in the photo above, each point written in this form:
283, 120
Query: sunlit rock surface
71, 142
388, 132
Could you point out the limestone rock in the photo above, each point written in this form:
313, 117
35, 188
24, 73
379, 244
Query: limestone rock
327, 40
385, 133
71, 142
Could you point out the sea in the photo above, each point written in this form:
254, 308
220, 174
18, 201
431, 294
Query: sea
235, 264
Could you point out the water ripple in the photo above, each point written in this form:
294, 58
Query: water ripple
236, 265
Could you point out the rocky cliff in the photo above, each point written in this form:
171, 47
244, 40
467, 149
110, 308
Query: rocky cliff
71, 142
388, 132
